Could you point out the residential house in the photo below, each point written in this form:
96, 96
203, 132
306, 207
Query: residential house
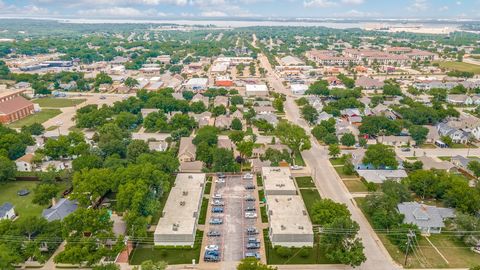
7, 211
429, 219
220, 100
60, 210
368, 83
396, 141
380, 176
146, 112
25, 163
323, 116
264, 109
462, 162
223, 122
191, 167
459, 99
197, 84
269, 117
457, 135
187, 150
202, 98
160, 146
203, 119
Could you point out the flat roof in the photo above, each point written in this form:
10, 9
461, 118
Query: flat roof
287, 215
256, 87
180, 211
278, 179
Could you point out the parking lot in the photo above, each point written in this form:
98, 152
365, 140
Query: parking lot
230, 195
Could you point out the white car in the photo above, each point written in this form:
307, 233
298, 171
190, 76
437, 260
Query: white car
218, 203
220, 180
248, 176
217, 196
250, 215
296, 167
211, 248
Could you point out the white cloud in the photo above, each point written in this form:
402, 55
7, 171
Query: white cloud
418, 5
112, 11
319, 3
213, 14
444, 8
353, 2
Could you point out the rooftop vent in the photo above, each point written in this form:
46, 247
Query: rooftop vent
182, 203
300, 227
190, 176
282, 227
185, 193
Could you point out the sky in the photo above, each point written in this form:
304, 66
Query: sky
265, 9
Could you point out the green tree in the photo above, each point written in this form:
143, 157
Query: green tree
223, 161
88, 161
333, 150
474, 166
150, 265
7, 169
293, 136
236, 100
131, 82
89, 185
309, 113
278, 104
8, 257
34, 129
325, 211
236, 136
126, 120
219, 110
206, 134
418, 133
348, 139
43, 193
236, 124
102, 78
380, 156
198, 107
136, 148
345, 247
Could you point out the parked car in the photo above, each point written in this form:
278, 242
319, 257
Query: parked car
216, 221
250, 209
211, 256
217, 196
255, 255
217, 210
405, 149
296, 167
250, 186
249, 198
220, 180
248, 176
221, 175
218, 203
250, 215
213, 234
252, 231
211, 247
253, 240
253, 245
103, 97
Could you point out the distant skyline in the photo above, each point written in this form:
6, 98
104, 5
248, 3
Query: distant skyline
264, 9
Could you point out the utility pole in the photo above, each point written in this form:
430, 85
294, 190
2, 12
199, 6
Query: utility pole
410, 236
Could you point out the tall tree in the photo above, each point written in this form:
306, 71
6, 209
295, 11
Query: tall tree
293, 136
380, 156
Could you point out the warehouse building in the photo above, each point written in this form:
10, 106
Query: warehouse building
178, 224
278, 181
256, 90
289, 223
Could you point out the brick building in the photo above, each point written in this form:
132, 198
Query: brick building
14, 107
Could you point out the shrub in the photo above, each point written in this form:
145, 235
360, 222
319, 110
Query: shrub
284, 252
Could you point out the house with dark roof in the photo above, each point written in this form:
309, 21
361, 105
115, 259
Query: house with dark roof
7, 211
429, 219
60, 210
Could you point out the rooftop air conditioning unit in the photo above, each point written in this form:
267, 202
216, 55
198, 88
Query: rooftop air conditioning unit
182, 203
282, 227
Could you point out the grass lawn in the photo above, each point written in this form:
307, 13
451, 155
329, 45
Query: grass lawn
170, 255
263, 213
411, 158
457, 254
208, 188
461, 146
261, 195
428, 146
314, 255
57, 102
310, 196
355, 185
336, 161
445, 158
342, 175
460, 66
259, 180
203, 211
51, 128
299, 160
39, 117
305, 182
23, 204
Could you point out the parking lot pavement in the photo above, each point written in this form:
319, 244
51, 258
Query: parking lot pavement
233, 239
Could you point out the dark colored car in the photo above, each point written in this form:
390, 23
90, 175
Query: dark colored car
213, 234
253, 246
250, 209
251, 186
252, 231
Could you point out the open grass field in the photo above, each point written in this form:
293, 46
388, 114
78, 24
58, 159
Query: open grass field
39, 117
57, 102
310, 196
336, 161
355, 185
23, 204
460, 66
457, 255
305, 182
169, 255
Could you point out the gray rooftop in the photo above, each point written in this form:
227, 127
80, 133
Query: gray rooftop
60, 210
425, 216
4, 208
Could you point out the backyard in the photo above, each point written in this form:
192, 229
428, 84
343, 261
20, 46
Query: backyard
38, 117
57, 102
310, 196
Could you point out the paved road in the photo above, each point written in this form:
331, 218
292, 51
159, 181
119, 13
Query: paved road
329, 183
65, 120
439, 152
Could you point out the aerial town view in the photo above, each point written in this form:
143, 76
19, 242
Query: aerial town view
239, 134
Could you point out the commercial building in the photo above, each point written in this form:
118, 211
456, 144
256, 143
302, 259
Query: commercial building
289, 224
278, 181
178, 224
14, 107
256, 90
298, 89
197, 84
